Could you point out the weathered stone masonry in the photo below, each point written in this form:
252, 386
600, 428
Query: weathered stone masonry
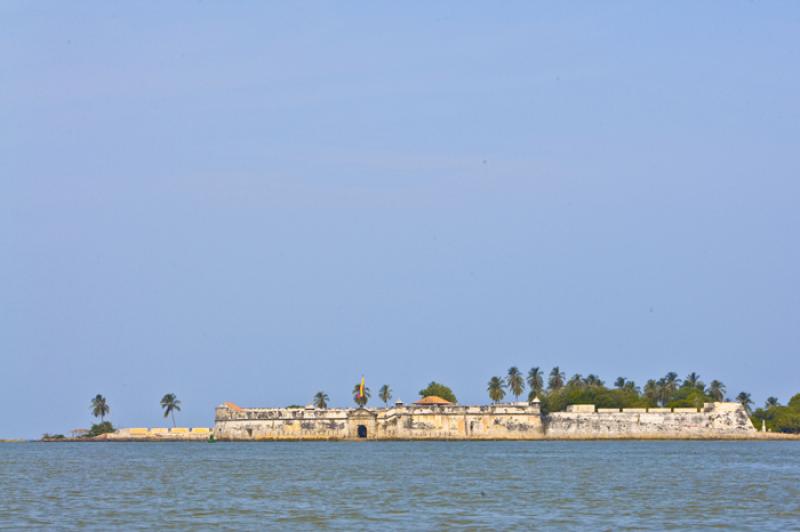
516, 421
714, 420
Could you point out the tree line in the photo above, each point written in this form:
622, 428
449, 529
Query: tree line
555, 391
777, 417
558, 392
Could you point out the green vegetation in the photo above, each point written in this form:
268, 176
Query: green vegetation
361, 400
515, 382
744, 398
580, 392
772, 401
496, 389
716, 390
556, 380
779, 418
535, 383
438, 389
99, 407
104, 427
668, 391
321, 400
385, 394
170, 404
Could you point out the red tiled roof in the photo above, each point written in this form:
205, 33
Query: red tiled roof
433, 400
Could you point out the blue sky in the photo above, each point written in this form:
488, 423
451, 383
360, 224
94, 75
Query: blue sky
252, 202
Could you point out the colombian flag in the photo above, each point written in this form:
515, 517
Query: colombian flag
361, 389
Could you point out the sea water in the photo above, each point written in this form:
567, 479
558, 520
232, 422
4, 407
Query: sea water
402, 485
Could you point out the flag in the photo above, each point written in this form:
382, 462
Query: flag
361, 389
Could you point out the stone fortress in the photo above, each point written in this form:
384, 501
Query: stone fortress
432, 418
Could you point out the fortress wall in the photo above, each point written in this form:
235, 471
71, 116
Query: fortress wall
714, 420
491, 422
460, 422
400, 422
281, 424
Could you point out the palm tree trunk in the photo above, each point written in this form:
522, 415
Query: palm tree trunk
173, 418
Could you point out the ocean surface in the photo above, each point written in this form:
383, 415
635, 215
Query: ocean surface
402, 485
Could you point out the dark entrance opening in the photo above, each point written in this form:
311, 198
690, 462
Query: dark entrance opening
362, 431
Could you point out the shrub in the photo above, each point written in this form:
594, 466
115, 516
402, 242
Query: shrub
435, 388
780, 418
786, 420
689, 397
100, 428
794, 402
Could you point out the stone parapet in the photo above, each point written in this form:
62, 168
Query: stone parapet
581, 408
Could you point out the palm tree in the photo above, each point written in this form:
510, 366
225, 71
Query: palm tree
496, 389
668, 385
556, 380
619, 383
361, 400
652, 391
693, 380
594, 380
516, 383
716, 390
385, 394
321, 400
100, 407
772, 401
663, 391
170, 404
745, 399
535, 381
631, 387
576, 381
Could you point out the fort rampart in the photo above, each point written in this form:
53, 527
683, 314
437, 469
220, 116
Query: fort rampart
515, 421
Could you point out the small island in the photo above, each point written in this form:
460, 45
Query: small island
575, 408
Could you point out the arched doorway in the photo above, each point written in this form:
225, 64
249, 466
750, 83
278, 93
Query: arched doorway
362, 431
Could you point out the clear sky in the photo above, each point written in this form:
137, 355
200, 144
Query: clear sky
254, 201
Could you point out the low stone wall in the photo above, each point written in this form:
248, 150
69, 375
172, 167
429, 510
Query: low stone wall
160, 433
281, 424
